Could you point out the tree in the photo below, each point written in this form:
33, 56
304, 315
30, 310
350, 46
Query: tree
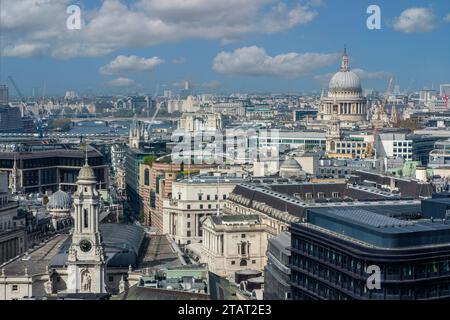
408, 124
148, 160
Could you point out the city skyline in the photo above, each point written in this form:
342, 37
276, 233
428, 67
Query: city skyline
265, 46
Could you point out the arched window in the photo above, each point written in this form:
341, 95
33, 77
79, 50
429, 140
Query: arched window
243, 263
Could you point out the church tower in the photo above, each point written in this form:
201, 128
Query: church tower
137, 134
333, 130
86, 261
14, 178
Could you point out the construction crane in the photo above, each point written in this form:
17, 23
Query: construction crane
22, 98
380, 109
38, 121
394, 116
378, 121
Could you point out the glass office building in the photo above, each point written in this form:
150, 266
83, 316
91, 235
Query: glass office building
332, 251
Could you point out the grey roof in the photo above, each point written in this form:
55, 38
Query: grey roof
59, 200
36, 261
345, 81
142, 293
122, 244
122, 236
159, 253
281, 199
370, 218
377, 230
291, 163
282, 240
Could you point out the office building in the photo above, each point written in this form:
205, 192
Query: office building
277, 272
10, 119
4, 95
35, 168
334, 251
13, 240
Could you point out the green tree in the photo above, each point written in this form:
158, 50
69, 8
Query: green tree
148, 160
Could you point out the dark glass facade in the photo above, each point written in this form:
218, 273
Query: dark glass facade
42, 171
332, 265
422, 146
133, 160
276, 272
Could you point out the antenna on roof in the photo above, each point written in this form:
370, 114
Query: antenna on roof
85, 147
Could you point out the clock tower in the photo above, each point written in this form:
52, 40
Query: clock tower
86, 261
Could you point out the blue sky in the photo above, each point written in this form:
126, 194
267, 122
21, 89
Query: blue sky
222, 46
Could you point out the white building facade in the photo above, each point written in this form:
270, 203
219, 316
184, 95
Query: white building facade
193, 199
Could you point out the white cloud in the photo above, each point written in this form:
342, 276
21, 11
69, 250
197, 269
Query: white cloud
371, 75
25, 50
141, 23
120, 82
124, 64
254, 61
324, 79
415, 20
447, 18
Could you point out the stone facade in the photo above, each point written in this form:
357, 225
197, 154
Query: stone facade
191, 200
232, 243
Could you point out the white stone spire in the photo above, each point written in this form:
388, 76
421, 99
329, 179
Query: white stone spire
345, 62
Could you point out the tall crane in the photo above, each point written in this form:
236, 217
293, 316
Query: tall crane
38, 121
22, 98
378, 121
380, 109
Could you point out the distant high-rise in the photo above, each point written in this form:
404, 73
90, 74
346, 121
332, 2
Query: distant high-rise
186, 91
4, 95
70, 95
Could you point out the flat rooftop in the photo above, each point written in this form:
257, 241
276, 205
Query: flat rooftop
212, 179
236, 219
373, 228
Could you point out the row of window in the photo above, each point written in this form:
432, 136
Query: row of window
201, 206
391, 292
402, 271
402, 143
242, 263
319, 195
351, 145
402, 150
350, 151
